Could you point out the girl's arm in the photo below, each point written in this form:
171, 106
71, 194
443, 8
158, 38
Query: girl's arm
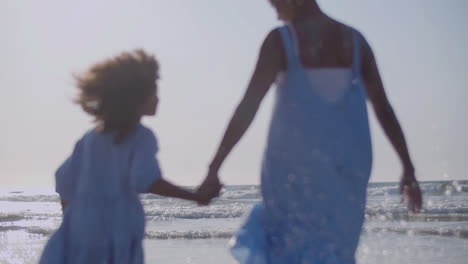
267, 67
389, 122
165, 188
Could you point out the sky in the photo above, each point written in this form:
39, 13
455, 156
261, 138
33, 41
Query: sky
207, 50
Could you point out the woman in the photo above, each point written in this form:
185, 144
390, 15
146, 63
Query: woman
318, 157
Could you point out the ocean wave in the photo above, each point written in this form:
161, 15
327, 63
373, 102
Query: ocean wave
30, 229
426, 210
149, 196
40, 230
446, 232
371, 215
241, 194
252, 192
38, 215
11, 217
446, 188
420, 217
434, 209
159, 235
189, 234
212, 212
375, 210
454, 232
30, 198
11, 228
400, 213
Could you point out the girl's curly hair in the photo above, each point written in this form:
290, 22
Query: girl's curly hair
114, 91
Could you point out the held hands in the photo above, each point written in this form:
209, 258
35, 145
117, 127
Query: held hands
409, 190
209, 189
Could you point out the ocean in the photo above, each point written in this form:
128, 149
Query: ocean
182, 232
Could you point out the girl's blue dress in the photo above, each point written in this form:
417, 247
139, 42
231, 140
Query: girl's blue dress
315, 168
104, 221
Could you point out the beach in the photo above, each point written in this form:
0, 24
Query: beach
386, 248
181, 232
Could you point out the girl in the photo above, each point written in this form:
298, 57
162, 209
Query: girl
113, 162
318, 157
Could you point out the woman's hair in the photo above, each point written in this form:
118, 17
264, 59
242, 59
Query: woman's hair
114, 91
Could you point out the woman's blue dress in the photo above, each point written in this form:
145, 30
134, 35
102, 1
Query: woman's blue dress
315, 169
104, 221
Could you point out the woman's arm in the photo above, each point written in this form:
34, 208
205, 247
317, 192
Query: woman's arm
268, 65
389, 122
265, 72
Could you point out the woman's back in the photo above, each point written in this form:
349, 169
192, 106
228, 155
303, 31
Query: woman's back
325, 50
322, 43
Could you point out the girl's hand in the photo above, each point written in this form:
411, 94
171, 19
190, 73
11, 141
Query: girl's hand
409, 189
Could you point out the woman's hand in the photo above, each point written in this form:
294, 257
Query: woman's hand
210, 188
409, 190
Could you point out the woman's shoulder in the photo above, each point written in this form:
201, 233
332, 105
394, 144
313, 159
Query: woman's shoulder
352, 32
274, 36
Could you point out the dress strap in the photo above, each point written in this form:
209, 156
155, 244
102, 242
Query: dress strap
356, 54
295, 42
289, 38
